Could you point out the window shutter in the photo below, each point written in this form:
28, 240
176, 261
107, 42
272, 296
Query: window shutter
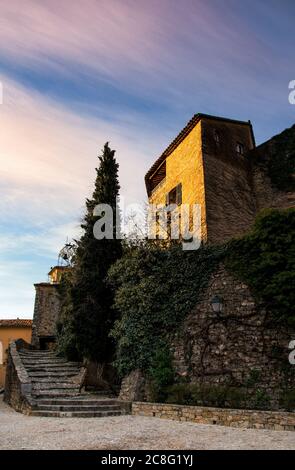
179, 194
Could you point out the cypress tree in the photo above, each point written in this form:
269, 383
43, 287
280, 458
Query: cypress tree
87, 314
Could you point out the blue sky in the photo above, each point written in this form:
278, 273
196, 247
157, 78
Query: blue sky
76, 74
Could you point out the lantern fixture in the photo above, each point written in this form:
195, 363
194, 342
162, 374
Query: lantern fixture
217, 304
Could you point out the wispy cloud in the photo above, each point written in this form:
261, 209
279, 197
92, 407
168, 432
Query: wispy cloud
48, 155
140, 46
47, 159
76, 74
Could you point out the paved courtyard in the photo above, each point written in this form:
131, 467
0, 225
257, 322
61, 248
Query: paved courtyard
129, 432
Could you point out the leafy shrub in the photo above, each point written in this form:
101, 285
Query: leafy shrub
161, 372
154, 291
261, 400
221, 396
281, 165
287, 400
265, 260
253, 378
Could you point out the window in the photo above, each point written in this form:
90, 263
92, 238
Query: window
175, 195
216, 135
240, 149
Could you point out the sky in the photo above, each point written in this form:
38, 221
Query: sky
75, 74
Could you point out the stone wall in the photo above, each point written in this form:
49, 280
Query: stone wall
278, 421
238, 348
46, 312
226, 348
133, 386
18, 384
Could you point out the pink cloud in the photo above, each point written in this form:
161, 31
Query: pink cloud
142, 43
48, 155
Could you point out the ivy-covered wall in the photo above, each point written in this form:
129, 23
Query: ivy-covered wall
155, 289
237, 357
273, 170
189, 354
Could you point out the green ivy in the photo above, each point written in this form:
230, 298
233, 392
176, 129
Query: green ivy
281, 164
154, 291
161, 372
156, 288
265, 260
221, 396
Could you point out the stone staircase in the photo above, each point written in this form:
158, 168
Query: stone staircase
56, 388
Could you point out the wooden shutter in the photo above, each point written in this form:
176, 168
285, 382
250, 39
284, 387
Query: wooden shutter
179, 194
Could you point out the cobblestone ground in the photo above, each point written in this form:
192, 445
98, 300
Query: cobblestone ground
129, 432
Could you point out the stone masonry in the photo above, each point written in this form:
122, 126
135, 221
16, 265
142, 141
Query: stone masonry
278, 421
230, 185
46, 311
226, 348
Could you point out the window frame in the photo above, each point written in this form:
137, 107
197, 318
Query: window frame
240, 148
177, 195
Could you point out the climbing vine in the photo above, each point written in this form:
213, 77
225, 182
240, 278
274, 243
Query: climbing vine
281, 164
265, 260
156, 288
154, 291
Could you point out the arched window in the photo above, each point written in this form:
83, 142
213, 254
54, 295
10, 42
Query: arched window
1, 353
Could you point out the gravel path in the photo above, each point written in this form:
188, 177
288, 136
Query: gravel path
129, 432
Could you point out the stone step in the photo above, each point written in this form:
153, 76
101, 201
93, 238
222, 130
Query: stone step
77, 407
37, 354
48, 374
35, 365
56, 385
76, 414
41, 358
53, 380
55, 393
52, 374
52, 360
75, 401
50, 370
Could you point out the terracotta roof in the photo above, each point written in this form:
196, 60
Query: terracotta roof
18, 323
183, 133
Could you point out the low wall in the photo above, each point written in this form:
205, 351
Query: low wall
18, 384
274, 420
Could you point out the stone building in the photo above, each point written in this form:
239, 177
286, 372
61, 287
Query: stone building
46, 310
207, 164
11, 330
213, 162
